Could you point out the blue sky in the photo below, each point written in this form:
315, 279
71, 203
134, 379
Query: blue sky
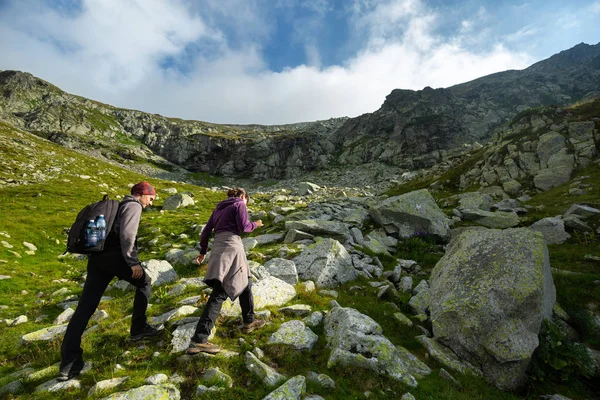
279, 61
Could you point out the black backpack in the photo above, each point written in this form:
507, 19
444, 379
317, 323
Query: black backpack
76, 242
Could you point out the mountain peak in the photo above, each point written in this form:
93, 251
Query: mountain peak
567, 59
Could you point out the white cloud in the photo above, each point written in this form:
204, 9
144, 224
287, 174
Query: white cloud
523, 33
116, 47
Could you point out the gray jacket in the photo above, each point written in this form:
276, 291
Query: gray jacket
126, 224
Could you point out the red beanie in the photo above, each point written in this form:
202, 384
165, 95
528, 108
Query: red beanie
143, 188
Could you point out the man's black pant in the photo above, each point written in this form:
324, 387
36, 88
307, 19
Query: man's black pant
101, 268
213, 308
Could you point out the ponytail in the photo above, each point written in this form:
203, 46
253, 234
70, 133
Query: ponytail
238, 192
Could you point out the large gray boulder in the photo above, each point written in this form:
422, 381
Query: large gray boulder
321, 227
356, 340
270, 291
326, 262
411, 214
489, 295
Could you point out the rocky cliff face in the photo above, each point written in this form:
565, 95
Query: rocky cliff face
253, 150
412, 129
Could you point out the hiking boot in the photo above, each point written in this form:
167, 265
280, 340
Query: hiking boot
207, 347
256, 324
70, 370
148, 331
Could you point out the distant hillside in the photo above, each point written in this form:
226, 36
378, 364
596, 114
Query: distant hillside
412, 129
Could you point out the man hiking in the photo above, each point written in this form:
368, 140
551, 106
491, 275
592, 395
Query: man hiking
120, 259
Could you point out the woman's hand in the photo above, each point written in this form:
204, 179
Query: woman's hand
200, 258
258, 223
137, 272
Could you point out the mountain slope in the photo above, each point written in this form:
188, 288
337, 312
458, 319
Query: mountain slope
414, 128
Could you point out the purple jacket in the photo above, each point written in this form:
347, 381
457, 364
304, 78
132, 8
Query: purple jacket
229, 215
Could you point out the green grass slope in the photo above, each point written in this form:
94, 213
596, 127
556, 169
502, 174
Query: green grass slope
43, 186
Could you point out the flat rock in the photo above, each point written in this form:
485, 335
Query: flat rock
164, 391
45, 334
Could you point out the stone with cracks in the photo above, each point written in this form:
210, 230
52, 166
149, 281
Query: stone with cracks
446, 356
553, 230
326, 262
410, 214
165, 391
160, 272
266, 374
282, 269
294, 333
320, 227
490, 293
293, 389
356, 340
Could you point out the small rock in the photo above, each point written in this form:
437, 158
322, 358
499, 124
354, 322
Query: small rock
156, 379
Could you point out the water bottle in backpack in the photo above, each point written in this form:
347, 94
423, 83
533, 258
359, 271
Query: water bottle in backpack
91, 234
101, 227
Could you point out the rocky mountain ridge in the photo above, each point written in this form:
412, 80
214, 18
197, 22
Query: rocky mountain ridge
412, 129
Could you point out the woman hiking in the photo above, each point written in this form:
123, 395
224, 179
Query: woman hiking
227, 272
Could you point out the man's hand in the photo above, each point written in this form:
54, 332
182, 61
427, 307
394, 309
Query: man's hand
137, 272
258, 223
200, 258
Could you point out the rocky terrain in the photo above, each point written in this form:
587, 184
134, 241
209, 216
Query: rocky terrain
474, 276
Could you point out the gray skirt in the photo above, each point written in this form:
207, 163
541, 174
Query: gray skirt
228, 264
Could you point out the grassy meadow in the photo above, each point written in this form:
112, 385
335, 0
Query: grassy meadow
38, 212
